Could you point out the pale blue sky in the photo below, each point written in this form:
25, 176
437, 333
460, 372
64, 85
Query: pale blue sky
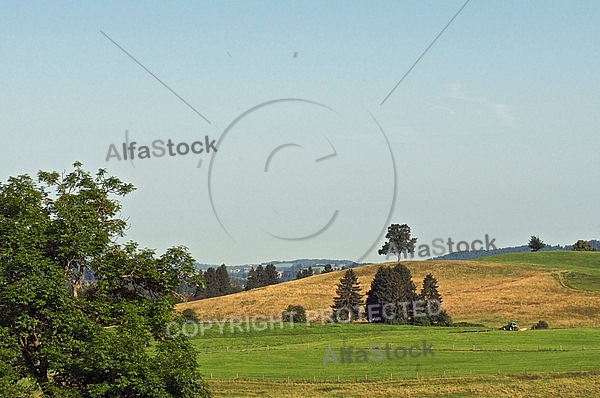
493, 132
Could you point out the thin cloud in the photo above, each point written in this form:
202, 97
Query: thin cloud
503, 111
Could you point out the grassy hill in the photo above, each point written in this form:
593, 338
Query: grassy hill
562, 288
578, 270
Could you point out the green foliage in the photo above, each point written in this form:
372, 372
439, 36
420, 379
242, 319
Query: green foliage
389, 289
189, 315
294, 313
216, 283
540, 325
583, 246
211, 288
392, 298
348, 300
262, 276
79, 311
398, 242
327, 268
305, 273
297, 352
436, 316
535, 243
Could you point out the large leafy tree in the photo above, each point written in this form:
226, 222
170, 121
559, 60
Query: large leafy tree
399, 241
349, 298
583, 246
80, 311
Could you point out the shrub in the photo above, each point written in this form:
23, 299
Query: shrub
189, 315
294, 314
540, 325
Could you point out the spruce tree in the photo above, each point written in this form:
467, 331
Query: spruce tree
406, 293
223, 282
212, 283
260, 276
379, 294
435, 315
391, 296
348, 300
252, 281
271, 275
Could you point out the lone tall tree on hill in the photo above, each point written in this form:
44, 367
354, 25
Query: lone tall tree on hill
535, 243
348, 299
398, 242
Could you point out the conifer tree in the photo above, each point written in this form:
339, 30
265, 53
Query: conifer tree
348, 300
271, 275
434, 314
391, 295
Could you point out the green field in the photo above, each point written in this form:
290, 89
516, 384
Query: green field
578, 270
297, 353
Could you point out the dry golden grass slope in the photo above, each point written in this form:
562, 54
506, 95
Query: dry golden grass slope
477, 292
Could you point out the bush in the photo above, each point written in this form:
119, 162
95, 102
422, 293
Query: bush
540, 325
189, 315
294, 314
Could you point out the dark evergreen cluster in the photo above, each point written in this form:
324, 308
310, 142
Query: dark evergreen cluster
262, 276
217, 283
305, 273
392, 299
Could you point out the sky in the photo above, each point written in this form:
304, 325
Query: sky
494, 131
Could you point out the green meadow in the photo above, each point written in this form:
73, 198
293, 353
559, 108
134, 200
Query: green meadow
297, 353
580, 270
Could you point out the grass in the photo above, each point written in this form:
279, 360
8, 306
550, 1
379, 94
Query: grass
562, 385
580, 270
297, 353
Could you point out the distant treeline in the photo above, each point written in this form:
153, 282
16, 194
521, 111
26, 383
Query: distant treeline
516, 249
